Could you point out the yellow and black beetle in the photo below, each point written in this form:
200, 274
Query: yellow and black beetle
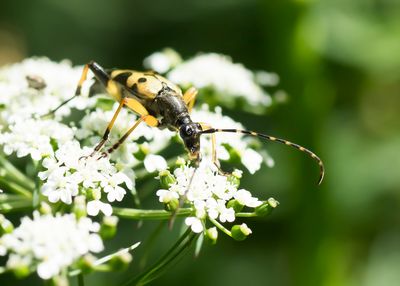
160, 103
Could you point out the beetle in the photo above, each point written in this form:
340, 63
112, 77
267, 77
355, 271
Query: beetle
160, 103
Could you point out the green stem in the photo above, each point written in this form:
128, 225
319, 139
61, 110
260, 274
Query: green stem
14, 206
97, 264
81, 281
173, 253
16, 175
253, 214
221, 227
15, 188
149, 214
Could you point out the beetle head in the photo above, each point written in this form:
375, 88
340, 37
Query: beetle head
190, 134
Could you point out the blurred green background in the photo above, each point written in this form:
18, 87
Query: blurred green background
339, 61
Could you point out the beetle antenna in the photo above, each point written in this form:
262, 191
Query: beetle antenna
275, 139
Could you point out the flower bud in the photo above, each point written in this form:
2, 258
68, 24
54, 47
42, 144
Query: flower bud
86, 263
44, 208
240, 232
79, 207
93, 194
235, 177
180, 162
120, 261
5, 225
267, 207
212, 235
166, 179
108, 227
237, 207
142, 152
172, 205
19, 266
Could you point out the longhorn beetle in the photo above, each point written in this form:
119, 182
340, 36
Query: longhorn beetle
160, 103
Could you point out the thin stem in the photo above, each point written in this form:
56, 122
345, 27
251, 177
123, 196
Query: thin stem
105, 259
164, 261
139, 214
221, 227
81, 281
252, 214
15, 206
13, 173
15, 188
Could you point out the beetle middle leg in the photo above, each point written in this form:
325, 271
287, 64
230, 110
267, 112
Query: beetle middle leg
214, 157
190, 97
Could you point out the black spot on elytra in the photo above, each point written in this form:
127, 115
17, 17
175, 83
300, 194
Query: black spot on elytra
122, 77
142, 79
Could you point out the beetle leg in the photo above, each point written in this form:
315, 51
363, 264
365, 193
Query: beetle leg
108, 129
190, 97
214, 157
99, 73
145, 118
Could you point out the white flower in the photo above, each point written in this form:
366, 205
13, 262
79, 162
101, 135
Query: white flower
22, 101
34, 137
154, 163
70, 170
218, 72
50, 243
207, 192
165, 196
244, 198
195, 224
94, 207
162, 61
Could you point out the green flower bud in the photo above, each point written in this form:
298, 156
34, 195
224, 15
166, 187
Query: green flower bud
5, 225
267, 207
44, 208
166, 179
79, 207
21, 271
142, 152
235, 177
120, 261
172, 205
86, 263
212, 235
180, 162
240, 232
93, 194
108, 227
237, 207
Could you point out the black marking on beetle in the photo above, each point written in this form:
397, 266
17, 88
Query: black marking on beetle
122, 77
142, 79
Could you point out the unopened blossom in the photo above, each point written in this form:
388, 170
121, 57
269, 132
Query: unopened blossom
49, 244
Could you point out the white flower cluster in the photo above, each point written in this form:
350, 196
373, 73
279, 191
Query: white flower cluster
22, 100
71, 172
208, 193
217, 72
50, 243
34, 137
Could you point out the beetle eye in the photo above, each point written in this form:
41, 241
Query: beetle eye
189, 130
